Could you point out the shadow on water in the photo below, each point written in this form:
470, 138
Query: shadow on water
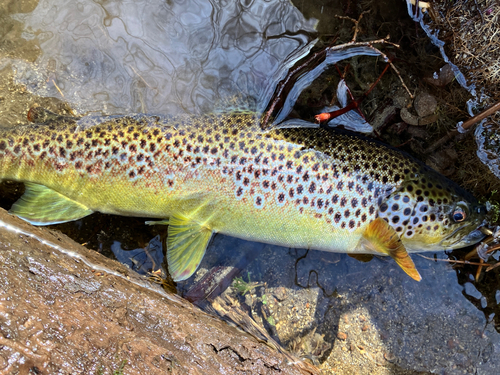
186, 57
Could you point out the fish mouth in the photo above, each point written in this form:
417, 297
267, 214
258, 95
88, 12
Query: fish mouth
456, 241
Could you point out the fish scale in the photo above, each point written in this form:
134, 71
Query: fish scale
296, 187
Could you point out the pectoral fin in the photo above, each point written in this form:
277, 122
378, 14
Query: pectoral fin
381, 238
186, 245
40, 205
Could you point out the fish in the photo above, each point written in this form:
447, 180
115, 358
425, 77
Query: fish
299, 187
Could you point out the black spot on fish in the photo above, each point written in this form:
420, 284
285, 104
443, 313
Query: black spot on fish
395, 207
371, 210
343, 201
346, 213
351, 224
354, 202
395, 219
312, 188
337, 217
407, 211
305, 200
364, 202
131, 174
281, 197
383, 207
363, 218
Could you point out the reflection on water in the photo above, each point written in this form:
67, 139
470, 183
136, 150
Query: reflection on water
171, 57
143, 260
156, 56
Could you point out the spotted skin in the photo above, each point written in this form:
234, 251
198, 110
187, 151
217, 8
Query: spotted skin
298, 187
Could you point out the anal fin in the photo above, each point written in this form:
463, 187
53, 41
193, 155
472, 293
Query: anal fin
186, 245
381, 238
40, 205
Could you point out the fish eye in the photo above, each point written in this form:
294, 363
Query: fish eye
459, 214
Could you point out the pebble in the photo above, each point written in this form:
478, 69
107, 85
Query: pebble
342, 336
389, 357
425, 104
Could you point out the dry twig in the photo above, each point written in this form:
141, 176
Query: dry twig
466, 125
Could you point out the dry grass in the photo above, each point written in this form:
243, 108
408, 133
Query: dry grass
472, 35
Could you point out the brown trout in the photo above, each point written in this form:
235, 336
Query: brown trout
297, 187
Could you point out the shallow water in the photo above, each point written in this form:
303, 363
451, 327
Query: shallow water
117, 57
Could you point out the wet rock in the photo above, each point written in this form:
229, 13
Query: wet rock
443, 161
65, 309
425, 104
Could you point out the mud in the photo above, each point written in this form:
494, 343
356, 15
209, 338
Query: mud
87, 314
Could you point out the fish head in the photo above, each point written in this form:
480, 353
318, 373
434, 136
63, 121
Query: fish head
432, 213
